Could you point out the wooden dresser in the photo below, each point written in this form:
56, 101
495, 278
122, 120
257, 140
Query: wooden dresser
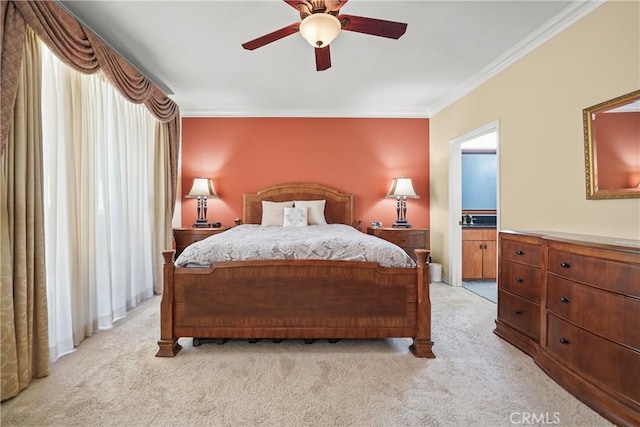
520, 290
586, 332
408, 239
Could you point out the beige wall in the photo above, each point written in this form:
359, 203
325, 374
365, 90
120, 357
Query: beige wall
538, 102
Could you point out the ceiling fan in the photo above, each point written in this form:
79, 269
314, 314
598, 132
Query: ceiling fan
320, 23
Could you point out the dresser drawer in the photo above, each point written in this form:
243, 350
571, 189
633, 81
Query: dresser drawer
595, 358
520, 313
605, 274
404, 238
521, 279
603, 313
408, 239
186, 236
521, 252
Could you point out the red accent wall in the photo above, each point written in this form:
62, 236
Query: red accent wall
618, 162
354, 155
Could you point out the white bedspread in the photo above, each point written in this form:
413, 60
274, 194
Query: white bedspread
332, 241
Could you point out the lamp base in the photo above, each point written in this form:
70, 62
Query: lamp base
401, 224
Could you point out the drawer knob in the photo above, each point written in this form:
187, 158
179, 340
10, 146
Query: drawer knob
518, 312
564, 341
519, 252
519, 279
564, 300
564, 265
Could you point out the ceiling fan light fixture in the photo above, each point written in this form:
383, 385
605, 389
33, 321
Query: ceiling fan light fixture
320, 29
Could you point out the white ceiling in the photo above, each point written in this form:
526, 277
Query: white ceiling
192, 50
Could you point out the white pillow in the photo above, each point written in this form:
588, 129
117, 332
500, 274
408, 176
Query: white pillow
273, 212
316, 210
295, 217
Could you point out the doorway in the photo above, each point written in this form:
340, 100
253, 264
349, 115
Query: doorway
485, 136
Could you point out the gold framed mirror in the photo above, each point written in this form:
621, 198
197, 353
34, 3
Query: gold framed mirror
612, 148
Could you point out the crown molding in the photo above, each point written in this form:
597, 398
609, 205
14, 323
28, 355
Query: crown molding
567, 17
207, 112
570, 15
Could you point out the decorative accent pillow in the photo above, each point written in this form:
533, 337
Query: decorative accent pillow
273, 212
315, 213
295, 217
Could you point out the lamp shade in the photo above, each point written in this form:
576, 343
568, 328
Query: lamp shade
402, 187
202, 187
319, 29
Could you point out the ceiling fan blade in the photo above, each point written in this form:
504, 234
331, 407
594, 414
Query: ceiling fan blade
372, 26
323, 58
294, 3
303, 6
271, 37
334, 5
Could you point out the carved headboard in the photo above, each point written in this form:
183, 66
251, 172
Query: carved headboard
338, 208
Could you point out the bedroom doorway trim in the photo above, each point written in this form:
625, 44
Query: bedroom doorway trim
455, 195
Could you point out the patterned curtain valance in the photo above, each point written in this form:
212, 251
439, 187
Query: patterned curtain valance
82, 50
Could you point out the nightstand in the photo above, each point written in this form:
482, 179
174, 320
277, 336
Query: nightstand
408, 239
186, 236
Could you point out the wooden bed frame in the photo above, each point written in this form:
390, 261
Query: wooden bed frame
301, 299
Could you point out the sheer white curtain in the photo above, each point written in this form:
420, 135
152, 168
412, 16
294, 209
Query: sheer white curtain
99, 157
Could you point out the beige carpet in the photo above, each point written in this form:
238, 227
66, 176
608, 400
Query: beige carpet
477, 380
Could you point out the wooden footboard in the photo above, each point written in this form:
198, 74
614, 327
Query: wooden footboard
303, 299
